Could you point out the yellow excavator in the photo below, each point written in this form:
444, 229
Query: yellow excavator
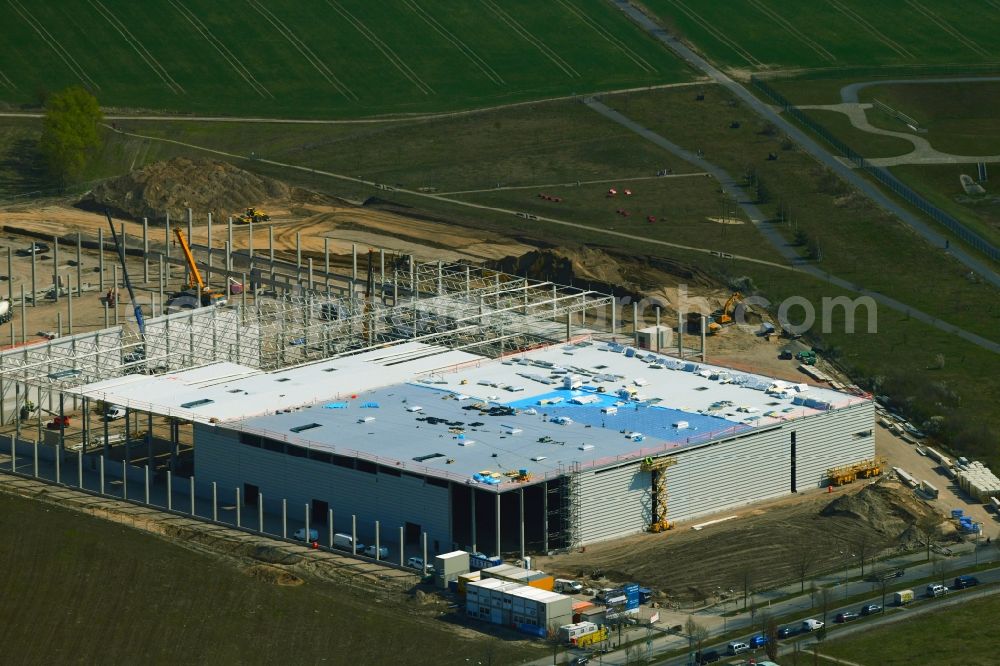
724, 317
208, 296
254, 215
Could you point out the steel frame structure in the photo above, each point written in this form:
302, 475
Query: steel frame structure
455, 305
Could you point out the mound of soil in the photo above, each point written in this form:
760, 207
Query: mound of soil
273, 575
173, 186
887, 508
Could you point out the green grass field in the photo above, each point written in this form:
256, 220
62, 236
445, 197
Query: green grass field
324, 58
768, 34
866, 143
77, 589
960, 118
957, 636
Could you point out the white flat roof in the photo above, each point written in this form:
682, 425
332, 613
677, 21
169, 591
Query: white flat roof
224, 391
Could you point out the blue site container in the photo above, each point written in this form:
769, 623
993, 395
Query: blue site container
956, 513
645, 595
632, 604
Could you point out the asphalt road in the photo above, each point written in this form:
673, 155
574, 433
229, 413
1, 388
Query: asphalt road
980, 267
801, 607
849, 93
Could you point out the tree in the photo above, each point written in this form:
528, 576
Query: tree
804, 559
927, 527
69, 132
771, 633
863, 545
825, 599
697, 633
746, 575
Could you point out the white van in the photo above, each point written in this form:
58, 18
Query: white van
346, 542
811, 625
936, 590
738, 647
567, 586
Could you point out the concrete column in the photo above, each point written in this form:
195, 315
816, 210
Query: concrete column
36, 460
114, 286
229, 245
424, 571
260, 512
614, 317
69, 302
284, 518
79, 468
239, 516
635, 323
58, 448
307, 523
298, 251
329, 526
208, 247
10, 274
354, 532
145, 250
79, 264
170, 491
270, 245
378, 542
100, 463
402, 547
55, 266
703, 350
124, 479
680, 334
497, 502
310, 274
24, 317
215, 503
34, 287
657, 329
381, 272
146, 469
166, 242
326, 262
354, 262
191, 491
520, 500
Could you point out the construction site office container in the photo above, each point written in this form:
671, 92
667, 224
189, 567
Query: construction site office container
450, 566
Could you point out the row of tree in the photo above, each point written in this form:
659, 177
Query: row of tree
70, 133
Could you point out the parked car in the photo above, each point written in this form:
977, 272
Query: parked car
382, 551
34, 248
785, 632
785, 355
738, 647
300, 535
871, 609
846, 616
811, 625
935, 590
415, 563
963, 582
114, 412
707, 657
758, 641
580, 660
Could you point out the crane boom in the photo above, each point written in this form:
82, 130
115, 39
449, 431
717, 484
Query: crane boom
195, 279
140, 322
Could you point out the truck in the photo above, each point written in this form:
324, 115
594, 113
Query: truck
902, 597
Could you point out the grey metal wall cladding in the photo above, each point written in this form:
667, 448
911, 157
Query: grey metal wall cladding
393, 500
732, 473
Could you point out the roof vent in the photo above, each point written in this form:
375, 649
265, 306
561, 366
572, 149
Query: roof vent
308, 426
196, 403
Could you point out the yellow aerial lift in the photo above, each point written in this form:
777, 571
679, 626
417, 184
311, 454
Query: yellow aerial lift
657, 467
866, 469
208, 296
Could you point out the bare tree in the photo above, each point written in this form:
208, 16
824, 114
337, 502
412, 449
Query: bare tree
804, 559
825, 599
863, 545
928, 528
746, 575
940, 568
771, 634
697, 634
813, 589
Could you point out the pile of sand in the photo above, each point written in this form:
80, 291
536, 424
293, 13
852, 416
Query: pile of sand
273, 575
173, 186
887, 508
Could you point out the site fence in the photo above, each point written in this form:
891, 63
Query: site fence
882, 175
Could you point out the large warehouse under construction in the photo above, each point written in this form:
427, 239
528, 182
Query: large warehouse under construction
479, 409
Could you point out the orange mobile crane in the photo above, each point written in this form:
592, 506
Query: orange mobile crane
208, 296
